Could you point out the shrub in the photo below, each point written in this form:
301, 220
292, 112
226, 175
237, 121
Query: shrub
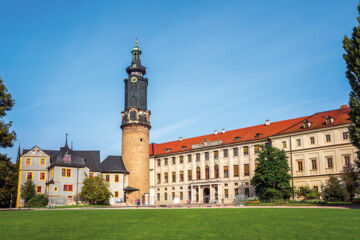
333, 191
95, 191
39, 200
307, 193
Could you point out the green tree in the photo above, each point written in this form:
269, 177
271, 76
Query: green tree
95, 191
333, 191
352, 59
350, 176
27, 191
39, 200
307, 193
272, 178
8, 170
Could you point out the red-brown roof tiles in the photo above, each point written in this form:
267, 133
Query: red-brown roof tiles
317, 120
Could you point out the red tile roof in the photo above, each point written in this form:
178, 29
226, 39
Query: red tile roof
317, 120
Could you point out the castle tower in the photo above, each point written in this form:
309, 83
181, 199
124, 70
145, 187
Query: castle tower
135, 126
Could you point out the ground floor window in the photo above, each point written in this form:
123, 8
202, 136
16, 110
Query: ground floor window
38, 189
116, 194
247, 192
69, 199
181, 195
165, 197
226, 193
158, 196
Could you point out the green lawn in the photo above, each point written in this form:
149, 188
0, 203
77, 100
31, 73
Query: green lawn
246, 223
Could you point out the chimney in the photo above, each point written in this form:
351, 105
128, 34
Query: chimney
180, 139
267, 122
215, 132
344, 106
223, 131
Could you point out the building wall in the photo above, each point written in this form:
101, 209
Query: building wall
116, 186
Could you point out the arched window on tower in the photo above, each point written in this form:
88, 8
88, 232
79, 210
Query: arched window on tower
198, 173
216, 171
207, 172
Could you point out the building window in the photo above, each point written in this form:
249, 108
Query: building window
246, 150
235, 152
236, 170
173, 175
330, 162
298, 142
165, 196
189, 158
166, 161
107, 178
159, 162
181, 195
226, 193
189, 175
29, 176
216, 171
166, 178
207, 172
246, 170
216, 154
312, 140
226, 171
55, 189
181, 176
42, 176
173, 160
158, 196
328, 138
91, 175
284, 144
226, 153
236, 191
181, 159
206, 155
316, 189
172, 195
28, 161
68, 188
158, 178
300, 166
116, 178
197, 173
133, 113
198, 157
69, 199
42, 161
116, 194
38, 189
313, 164
256, 148
66, 172
247, 192
345, 135
347, 160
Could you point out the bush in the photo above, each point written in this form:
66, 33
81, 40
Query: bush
95, 191
333, 191
307, 193
27, 191
272, 194
39, 200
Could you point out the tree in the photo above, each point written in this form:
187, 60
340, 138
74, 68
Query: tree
95, 191
8, 170
352, 59
350, 176
333, 191
39, 200
307, 193
27, 191
272, 178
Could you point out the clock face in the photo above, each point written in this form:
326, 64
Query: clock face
133, 79
134, 65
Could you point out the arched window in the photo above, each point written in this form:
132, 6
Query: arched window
216, 171
207, 173
198, 173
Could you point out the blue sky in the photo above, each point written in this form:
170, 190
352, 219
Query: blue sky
210, 65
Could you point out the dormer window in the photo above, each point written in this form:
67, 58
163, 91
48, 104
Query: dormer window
168, 149
329, 120
306, 124
258, 135
183, 147
237, 139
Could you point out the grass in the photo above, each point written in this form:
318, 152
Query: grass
230, 223
301, 203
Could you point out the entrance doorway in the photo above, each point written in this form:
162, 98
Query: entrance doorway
206, 195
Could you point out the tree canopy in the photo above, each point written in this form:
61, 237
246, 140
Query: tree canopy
352, 60
27, 191
272, 178
95, 191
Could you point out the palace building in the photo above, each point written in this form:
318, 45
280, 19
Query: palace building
214, 168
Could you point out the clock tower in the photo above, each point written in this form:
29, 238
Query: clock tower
135, 126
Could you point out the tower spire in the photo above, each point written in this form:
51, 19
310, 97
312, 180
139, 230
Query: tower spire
66, 141
136, 41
